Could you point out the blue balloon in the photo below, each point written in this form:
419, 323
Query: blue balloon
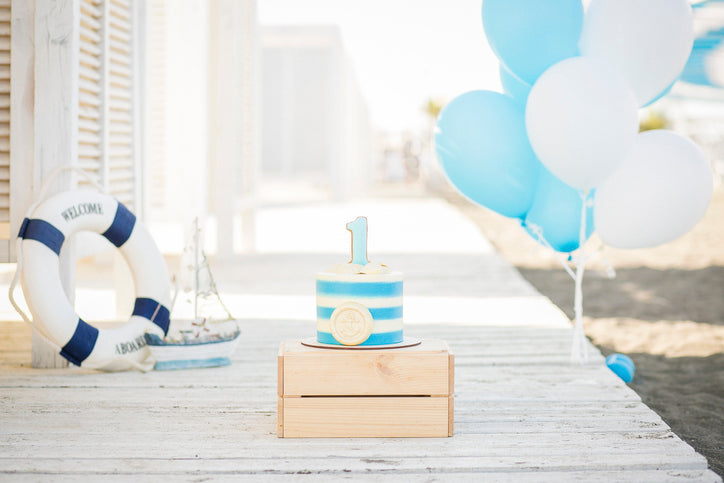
483, 148
622, 366
514, 87
528, 36
555, 213
663, 93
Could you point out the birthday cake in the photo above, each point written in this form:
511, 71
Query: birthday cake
359, 303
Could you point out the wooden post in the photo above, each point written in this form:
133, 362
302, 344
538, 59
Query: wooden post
22, 139
57, 39
251, 125
224, 123
152, 29
232, 116
137, 52
337, 163
288, 112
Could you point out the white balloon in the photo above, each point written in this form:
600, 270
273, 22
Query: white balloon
582, 120
648, 41
659, 193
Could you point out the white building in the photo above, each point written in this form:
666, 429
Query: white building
315, 122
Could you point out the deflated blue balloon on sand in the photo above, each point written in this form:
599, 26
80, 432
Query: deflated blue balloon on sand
482, 145
622, 366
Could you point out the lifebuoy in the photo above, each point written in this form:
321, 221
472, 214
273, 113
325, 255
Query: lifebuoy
43, 233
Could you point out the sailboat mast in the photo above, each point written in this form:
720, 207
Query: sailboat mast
196, 268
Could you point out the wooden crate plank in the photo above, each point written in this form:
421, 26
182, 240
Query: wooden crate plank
338, 417
451, 416
280, 417
280, 370
419, 370
451, 373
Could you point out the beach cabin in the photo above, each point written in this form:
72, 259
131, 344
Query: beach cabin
160, 118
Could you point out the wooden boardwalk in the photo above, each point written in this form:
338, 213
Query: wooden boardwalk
522, 411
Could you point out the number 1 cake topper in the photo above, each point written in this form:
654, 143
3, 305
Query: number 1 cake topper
358, 227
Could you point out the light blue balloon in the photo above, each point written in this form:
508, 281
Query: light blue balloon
514, 87
483, 148
556, 213
529, 36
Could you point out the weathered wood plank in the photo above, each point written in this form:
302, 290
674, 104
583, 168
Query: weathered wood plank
281, 464
89, 423
265, 448
22, 140
650, 476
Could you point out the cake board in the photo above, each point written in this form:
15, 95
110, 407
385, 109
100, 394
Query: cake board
406, 342
399, 392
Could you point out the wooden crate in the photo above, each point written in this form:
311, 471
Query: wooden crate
405, 392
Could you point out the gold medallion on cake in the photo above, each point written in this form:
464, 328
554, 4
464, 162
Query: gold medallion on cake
351, 323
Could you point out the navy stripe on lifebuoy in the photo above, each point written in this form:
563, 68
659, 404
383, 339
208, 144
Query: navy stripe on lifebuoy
43, 232
153, 311
120, 230
81, 344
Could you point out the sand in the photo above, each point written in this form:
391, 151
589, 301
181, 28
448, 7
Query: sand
664, 309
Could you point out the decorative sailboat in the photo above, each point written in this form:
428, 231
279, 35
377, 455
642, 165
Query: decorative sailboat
211, 336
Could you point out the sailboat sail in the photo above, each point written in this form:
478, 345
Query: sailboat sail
199, 296
212, 333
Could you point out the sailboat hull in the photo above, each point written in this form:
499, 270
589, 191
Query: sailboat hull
191, 363
171, 356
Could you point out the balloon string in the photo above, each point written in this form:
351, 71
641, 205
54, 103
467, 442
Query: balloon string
579, 348
538, 232
598, 252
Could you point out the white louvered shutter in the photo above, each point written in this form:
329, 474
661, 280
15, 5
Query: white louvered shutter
121, 163
5, 128
108, 100
90, 85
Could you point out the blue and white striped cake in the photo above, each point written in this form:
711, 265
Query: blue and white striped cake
359, 305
